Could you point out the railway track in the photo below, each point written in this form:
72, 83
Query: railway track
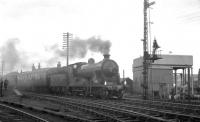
174, 107
173, 114
100, 112
51, 114
162, 113
183, 101
139, 111
115, 110
10, 114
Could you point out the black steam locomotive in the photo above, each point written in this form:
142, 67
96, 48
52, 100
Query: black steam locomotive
88, 79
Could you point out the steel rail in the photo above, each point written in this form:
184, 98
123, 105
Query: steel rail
48, 111
121, 112
157, 112
184, 108
99, 113
182, 103
22, 114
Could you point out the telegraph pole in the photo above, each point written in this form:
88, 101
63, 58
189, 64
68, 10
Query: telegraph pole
66, 38
66, 45
146, 55
2, 64
2, 67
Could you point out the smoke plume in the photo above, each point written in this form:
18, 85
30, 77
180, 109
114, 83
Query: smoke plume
15, 59
79, 47
10, 54
97, 45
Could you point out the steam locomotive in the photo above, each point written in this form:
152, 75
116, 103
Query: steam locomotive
88, 79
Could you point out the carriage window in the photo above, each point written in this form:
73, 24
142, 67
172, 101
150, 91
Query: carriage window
75, 66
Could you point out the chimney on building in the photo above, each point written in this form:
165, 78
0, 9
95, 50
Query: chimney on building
33, 67
39, 66
59, 65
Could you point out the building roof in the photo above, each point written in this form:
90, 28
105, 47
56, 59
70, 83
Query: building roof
168, 60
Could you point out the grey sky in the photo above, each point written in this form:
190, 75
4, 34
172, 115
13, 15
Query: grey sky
40, 23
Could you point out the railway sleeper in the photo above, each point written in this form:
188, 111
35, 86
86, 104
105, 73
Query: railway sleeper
97, 119
100, 116
197, 111
124, 118
62, 115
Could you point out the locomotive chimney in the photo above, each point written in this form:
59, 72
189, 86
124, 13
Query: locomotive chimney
106, 56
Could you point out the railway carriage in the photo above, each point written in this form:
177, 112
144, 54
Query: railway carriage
33, 80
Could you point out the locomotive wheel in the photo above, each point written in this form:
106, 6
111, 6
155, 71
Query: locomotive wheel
120, 96
105, 95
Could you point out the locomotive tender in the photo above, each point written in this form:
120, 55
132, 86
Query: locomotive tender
88, 79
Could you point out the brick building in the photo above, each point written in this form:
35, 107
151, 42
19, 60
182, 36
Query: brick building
162, 74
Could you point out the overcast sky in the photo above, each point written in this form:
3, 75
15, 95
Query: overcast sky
39, 24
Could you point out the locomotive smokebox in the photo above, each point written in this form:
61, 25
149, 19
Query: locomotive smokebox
106, 56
